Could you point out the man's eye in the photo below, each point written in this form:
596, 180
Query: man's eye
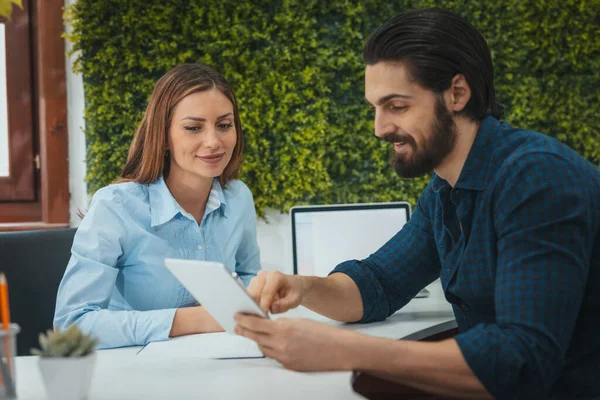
396, 108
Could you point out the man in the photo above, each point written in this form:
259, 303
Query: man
509, 222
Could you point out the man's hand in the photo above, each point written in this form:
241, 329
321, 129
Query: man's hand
305, 345
300, 344
276, 292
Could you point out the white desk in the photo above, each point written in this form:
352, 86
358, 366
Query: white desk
120, 374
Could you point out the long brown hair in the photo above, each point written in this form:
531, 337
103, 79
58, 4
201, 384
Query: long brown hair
147, 159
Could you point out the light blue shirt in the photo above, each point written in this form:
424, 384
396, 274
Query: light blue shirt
116, 286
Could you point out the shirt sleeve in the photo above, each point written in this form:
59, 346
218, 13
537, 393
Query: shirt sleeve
89, 280
247, 257
389, 278
543, 219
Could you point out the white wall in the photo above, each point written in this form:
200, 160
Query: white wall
275, 242
75, 121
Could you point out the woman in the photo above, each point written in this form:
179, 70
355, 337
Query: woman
177, 198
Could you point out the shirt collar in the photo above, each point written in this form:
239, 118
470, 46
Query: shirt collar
164, 207
474, 173
476, 168
216, 199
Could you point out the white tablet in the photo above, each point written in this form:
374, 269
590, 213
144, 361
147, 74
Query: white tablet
213, 286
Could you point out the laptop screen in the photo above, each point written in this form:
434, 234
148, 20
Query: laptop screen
324, 236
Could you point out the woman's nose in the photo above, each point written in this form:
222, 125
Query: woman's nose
211, 139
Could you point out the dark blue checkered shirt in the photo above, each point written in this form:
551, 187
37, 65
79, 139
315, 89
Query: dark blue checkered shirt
516, 244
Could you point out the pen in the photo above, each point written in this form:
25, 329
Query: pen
238, 280
5, 310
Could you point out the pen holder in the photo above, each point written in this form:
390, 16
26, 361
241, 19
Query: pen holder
8, 350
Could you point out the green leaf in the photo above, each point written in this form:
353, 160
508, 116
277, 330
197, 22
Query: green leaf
5, 8
299, 78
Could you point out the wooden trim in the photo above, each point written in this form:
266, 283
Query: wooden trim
20, 212
49, 121
49, 50
438, 337
20, 184
30, 226
375, 387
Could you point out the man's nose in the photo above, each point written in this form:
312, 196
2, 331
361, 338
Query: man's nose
382, 125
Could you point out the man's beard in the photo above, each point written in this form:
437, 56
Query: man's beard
422, 160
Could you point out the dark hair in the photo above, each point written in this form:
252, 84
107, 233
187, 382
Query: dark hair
436, 45
147, 160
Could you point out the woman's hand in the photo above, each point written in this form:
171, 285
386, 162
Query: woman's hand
192, 320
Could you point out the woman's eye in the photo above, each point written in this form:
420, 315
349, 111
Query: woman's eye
225, 127
191, 128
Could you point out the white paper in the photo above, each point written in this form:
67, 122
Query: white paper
205, 345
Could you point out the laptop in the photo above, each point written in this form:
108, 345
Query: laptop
324, 236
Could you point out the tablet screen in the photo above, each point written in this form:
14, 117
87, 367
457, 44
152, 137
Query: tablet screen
213, 286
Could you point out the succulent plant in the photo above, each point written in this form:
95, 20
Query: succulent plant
68, 343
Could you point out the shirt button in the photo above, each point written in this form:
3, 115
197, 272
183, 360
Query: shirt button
199, 247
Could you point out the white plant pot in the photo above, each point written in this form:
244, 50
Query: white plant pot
67, 378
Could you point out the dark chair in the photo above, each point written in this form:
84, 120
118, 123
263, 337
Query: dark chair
375, 387
34, 263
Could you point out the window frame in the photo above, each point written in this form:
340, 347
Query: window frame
49, 134
20, 184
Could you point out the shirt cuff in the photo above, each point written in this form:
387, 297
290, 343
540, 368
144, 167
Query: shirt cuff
155, 325
487, 353
374, 309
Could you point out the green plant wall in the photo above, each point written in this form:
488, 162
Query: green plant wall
297, 70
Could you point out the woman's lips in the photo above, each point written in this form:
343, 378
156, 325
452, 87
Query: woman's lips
212, 159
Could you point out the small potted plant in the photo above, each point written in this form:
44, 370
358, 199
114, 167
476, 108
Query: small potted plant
67, 360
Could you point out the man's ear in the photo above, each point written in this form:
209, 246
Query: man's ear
459, 93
